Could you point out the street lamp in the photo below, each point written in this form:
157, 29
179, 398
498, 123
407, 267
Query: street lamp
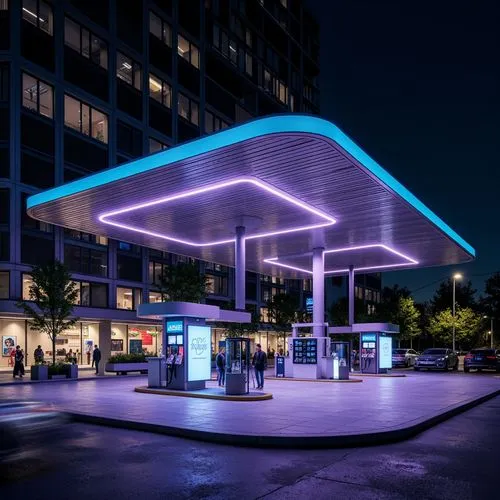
491, 330
456, 276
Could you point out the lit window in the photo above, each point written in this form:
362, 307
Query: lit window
155, 146
128, 70
248, 37
124, 298
85, 119
160, 29
188, 109
160, 91
85, 43
27, 282
188, 51
4, 4
38, 96
233, 52
154, 297
39, 14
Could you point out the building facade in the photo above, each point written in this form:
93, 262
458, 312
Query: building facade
88, 85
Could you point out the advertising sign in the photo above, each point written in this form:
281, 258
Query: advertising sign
385, 352
135, 346
305, 351
309, 304
199, 352
8, 344
117, 345
175, 326
147, 338
280, 366
369, 337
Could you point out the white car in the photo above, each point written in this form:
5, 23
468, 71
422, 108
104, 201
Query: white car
403, 357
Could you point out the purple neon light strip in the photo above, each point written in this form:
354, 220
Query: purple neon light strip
104, 218
410, 260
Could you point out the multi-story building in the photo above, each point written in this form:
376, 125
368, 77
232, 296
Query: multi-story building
88, 85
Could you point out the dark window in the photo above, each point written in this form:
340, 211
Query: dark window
85, 43
129, 140
93, 294
32, 224
4, 245
4, 82
97, 11
87, 237
38, 96
85, 260
84, 156
188, 109
39, 14
213, 122
37, 171
4, 282
4, 161
160, 29
155, 146
129, 267
129, 24
4, 207
37, 250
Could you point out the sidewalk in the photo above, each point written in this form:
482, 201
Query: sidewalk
301, 414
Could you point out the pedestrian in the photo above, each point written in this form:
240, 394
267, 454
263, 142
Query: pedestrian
18, 363
259, 362
220, 364
38, 354
96, 357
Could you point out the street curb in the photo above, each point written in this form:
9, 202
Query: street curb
53, 381
188, 394
323, 380
289, 442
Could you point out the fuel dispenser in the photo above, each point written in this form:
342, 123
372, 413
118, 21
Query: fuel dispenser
376, 352
340, 352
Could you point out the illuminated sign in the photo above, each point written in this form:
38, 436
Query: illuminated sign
385, 352
175, 327
369, 337
309, 304
199, 353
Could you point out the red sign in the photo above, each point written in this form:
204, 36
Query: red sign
147, 338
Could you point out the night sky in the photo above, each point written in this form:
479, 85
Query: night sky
417, 85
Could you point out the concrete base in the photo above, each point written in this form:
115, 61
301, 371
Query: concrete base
208, 394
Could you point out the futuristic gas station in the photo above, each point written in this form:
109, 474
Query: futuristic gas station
287, 195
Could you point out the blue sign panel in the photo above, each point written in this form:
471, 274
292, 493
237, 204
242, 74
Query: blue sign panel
280, 366
309, 304
369, 337
175, 327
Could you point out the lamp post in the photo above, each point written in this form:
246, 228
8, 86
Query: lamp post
456, 276
491, 329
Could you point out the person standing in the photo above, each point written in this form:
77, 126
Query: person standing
18, 363
38, 354
96, 357
259, 362
220, 364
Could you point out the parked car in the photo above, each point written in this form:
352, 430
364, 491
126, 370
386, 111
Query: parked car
484, 358
403, 357
438, 359
28, 428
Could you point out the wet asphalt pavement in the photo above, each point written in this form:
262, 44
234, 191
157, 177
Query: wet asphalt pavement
455, 460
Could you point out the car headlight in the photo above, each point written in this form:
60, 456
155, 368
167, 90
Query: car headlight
417, 359
441, 359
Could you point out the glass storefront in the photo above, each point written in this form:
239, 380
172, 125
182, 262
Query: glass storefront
76, 343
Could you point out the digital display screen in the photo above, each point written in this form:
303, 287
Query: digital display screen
385, 352
179, 340
172, 339
305, 351
199, 352
369, 337
175, 326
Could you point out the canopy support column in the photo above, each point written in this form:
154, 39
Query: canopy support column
318, 292
239, 263
351, 297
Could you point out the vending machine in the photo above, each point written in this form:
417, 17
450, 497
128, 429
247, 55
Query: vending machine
376, 352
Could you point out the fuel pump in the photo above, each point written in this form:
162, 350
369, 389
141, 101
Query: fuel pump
175, 359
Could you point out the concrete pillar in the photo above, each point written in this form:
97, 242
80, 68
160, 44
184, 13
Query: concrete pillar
239, 271
351, 298
104, 343
318, 291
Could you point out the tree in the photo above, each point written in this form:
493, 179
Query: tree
464, 296
183, 282
54, 295
407, 316
339, 312
468, 326
282, 311
491, 302
390, 301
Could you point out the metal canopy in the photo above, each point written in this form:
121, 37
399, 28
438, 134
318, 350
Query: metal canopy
295, 182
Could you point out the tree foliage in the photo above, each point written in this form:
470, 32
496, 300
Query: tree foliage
491, 301
468, 327
443, 297
183, 282
339, 312
407, 316
54, 295
282, 311
242, 329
